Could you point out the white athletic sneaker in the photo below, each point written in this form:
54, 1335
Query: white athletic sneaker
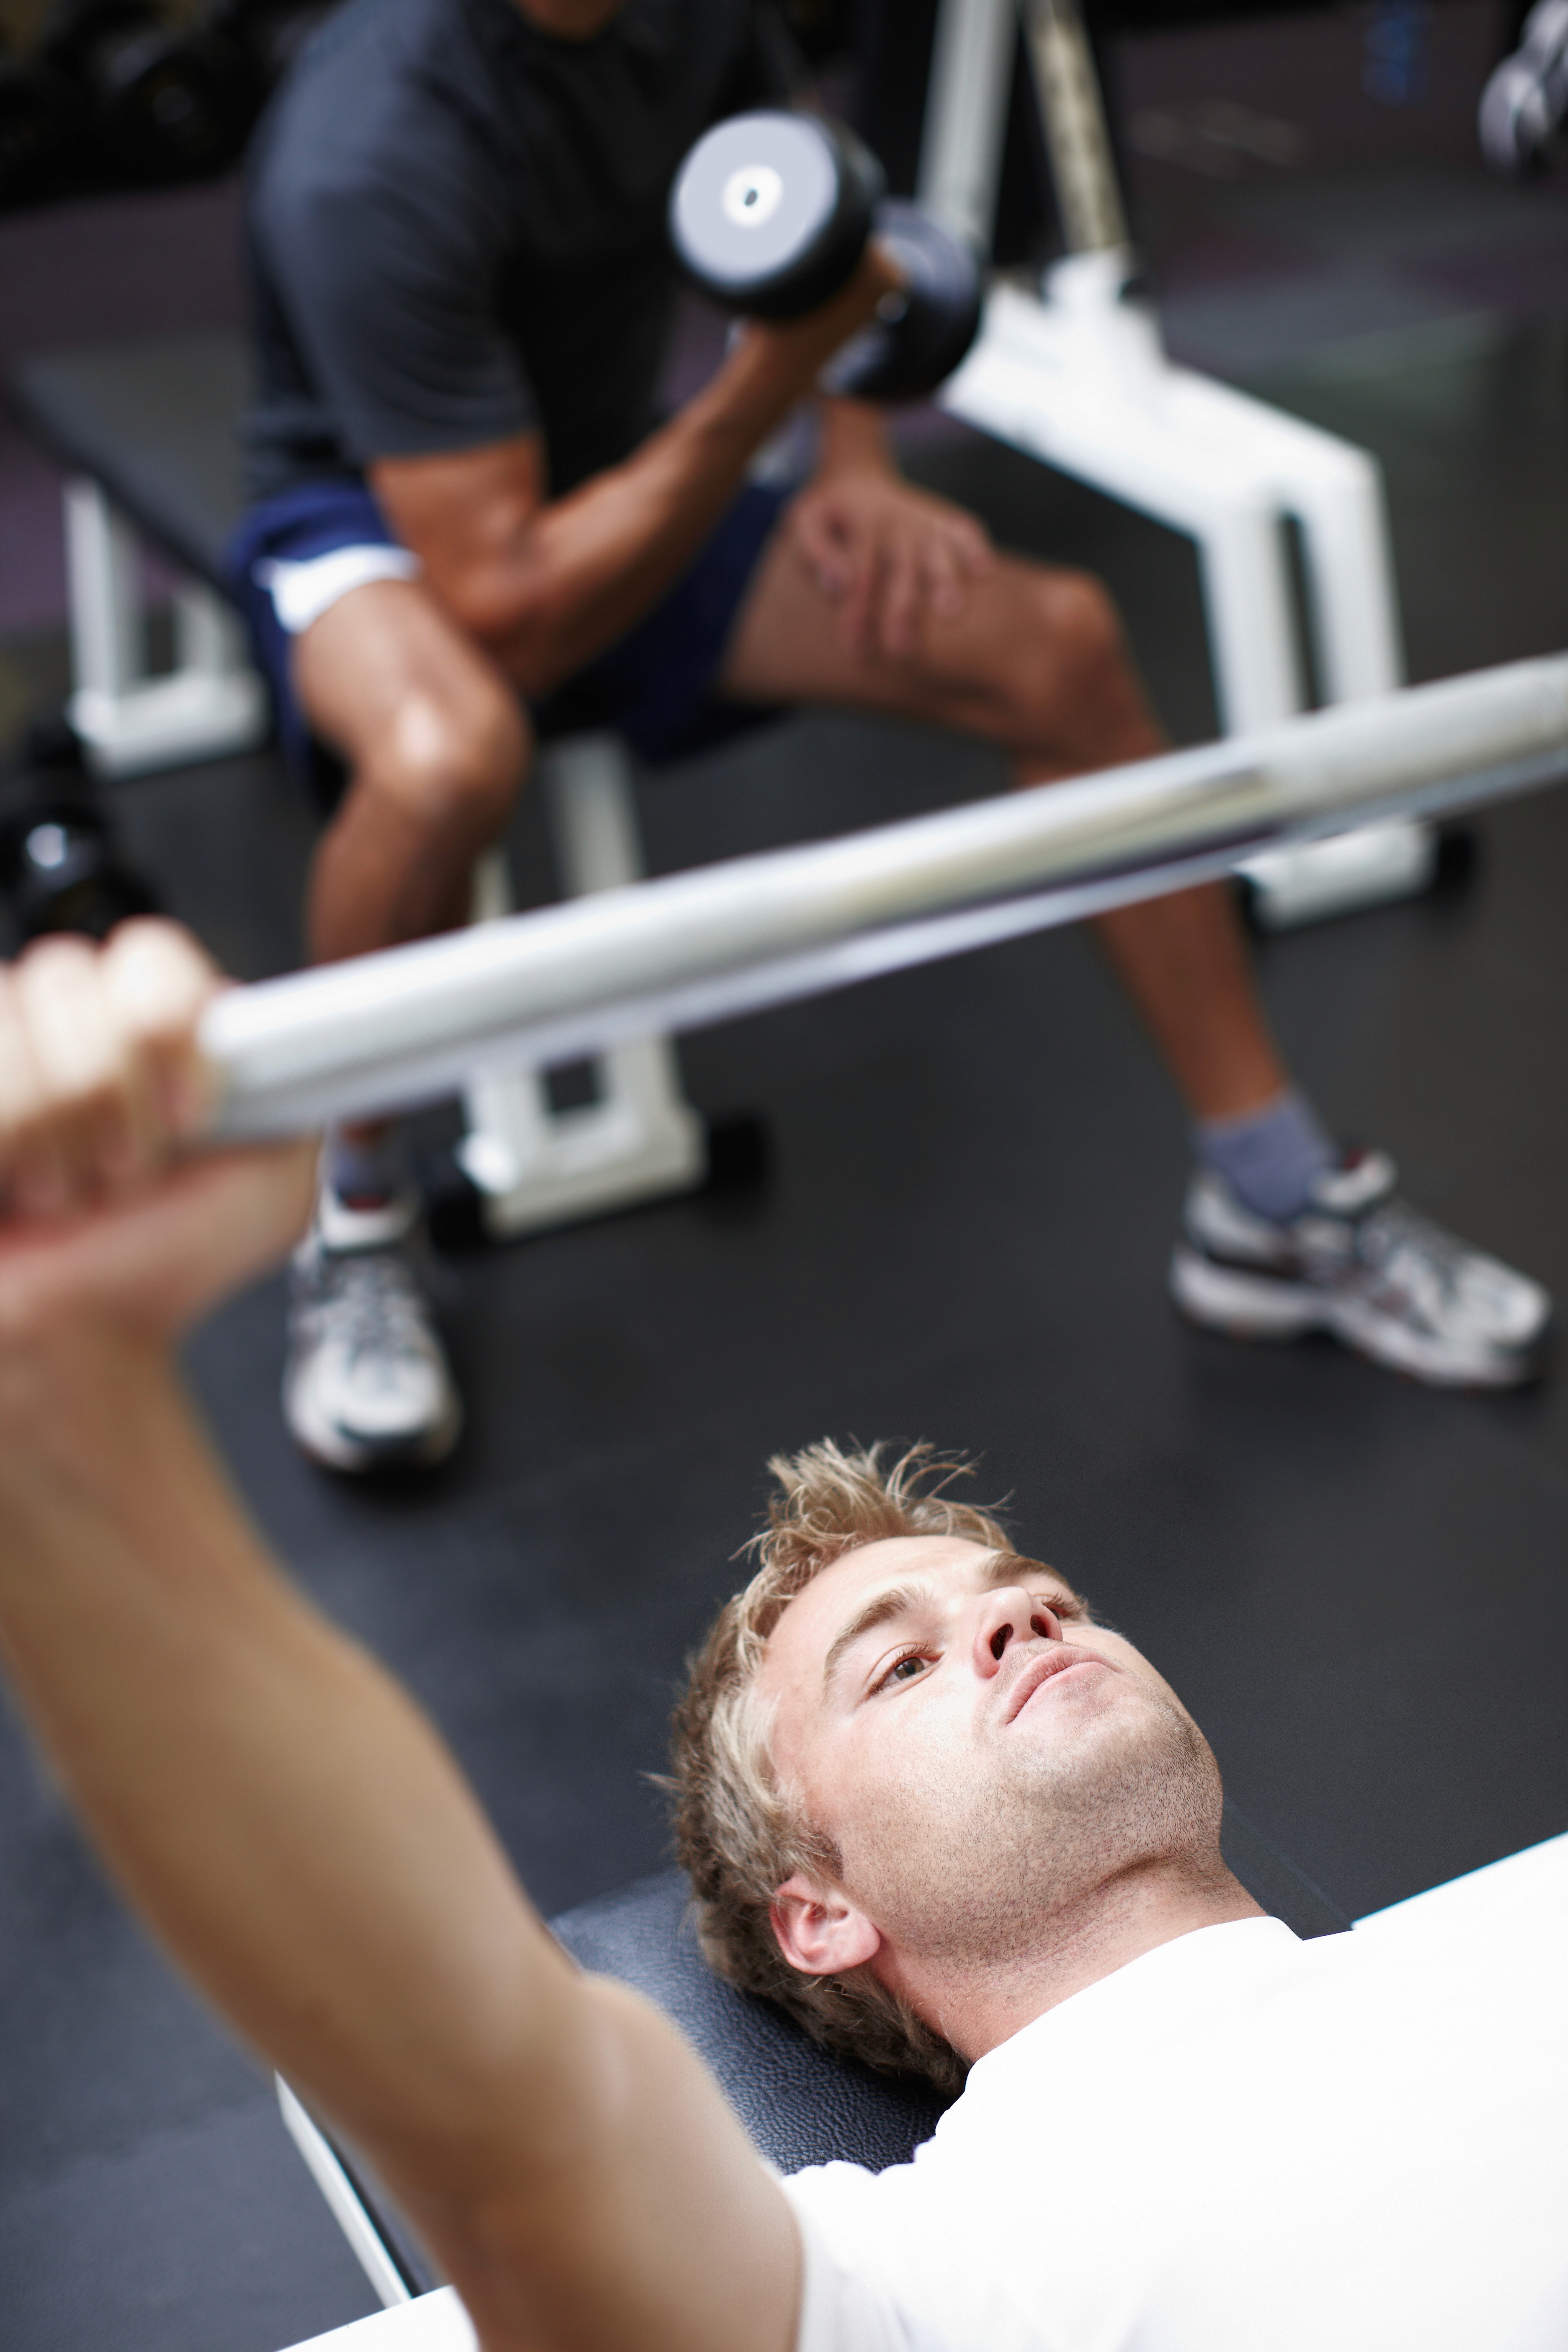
367, 1385
1362, 1264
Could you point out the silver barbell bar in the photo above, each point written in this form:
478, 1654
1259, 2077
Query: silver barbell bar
412, 1023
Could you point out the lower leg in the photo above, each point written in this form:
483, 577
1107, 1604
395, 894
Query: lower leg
384, 872
1184, 962
437, 749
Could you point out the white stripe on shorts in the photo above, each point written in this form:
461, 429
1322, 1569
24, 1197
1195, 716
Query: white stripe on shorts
301, 593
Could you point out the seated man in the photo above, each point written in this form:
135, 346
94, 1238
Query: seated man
926, 1797
466, 503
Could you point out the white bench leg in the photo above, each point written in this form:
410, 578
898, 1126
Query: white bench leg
532, 1165
1336, 496
211, 704
343, 2200
1258, 678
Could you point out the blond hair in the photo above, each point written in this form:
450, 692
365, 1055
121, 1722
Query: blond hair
740, 1832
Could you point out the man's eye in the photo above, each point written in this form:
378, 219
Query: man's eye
904, 1670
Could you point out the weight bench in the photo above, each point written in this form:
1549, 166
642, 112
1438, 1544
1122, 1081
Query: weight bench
801, 2107
799, 2104
148, 435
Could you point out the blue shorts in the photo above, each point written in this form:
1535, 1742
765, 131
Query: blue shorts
654, 685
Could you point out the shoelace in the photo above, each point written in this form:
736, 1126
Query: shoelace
1395, 1231
374, 1302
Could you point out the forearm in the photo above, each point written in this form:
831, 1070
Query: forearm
609, 550
278, 1811
852, 434
546, 585
564, 584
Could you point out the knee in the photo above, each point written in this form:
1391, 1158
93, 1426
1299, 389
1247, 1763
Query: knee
454, 764
1079, 696
1078, 620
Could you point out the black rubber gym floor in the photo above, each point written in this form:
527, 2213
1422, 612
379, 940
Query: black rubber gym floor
1356, 1583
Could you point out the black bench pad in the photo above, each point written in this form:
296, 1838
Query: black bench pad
800, 2105
157, 423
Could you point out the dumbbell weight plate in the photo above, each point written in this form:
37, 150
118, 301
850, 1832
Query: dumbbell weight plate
771, 212
923, 332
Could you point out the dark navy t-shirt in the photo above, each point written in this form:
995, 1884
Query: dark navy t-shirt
456, 227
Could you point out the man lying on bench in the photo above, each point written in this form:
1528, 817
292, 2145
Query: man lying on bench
928, 1801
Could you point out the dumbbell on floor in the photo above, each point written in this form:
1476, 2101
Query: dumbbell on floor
770, 214
61, 868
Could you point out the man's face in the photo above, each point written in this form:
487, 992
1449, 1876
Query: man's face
980, 1752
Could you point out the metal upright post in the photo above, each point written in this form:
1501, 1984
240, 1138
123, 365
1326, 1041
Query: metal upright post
961, 149
1082, 166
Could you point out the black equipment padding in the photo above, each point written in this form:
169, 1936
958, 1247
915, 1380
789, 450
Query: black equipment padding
799, 2106
157, 424
1272, 1879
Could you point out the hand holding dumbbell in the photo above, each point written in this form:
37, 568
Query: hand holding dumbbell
771, 215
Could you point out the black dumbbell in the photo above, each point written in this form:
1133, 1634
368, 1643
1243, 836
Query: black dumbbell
167, 102
61, 865
770, 215
42, 146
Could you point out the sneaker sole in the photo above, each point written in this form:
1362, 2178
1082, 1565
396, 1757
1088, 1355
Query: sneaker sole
336, 1449
1262, 1306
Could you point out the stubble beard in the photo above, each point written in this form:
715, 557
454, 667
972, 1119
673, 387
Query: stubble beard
987, 1875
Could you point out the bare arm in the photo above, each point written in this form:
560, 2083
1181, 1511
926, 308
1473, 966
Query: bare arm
545, 583
268, 1798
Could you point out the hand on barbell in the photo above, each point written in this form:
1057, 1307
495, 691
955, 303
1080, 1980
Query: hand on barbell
101, 1088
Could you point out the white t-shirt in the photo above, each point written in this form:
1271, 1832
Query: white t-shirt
1243, 2143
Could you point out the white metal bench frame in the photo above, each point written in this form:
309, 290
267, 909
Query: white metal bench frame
130, 719
1079, 378
532, 1166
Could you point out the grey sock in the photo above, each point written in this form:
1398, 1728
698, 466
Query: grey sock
366, 1171
1267, 1157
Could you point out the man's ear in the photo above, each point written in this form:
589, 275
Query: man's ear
819, 1930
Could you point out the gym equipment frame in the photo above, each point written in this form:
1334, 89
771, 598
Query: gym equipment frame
130, 720
1079, 379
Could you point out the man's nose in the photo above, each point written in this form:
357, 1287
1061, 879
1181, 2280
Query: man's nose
1011, 1614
